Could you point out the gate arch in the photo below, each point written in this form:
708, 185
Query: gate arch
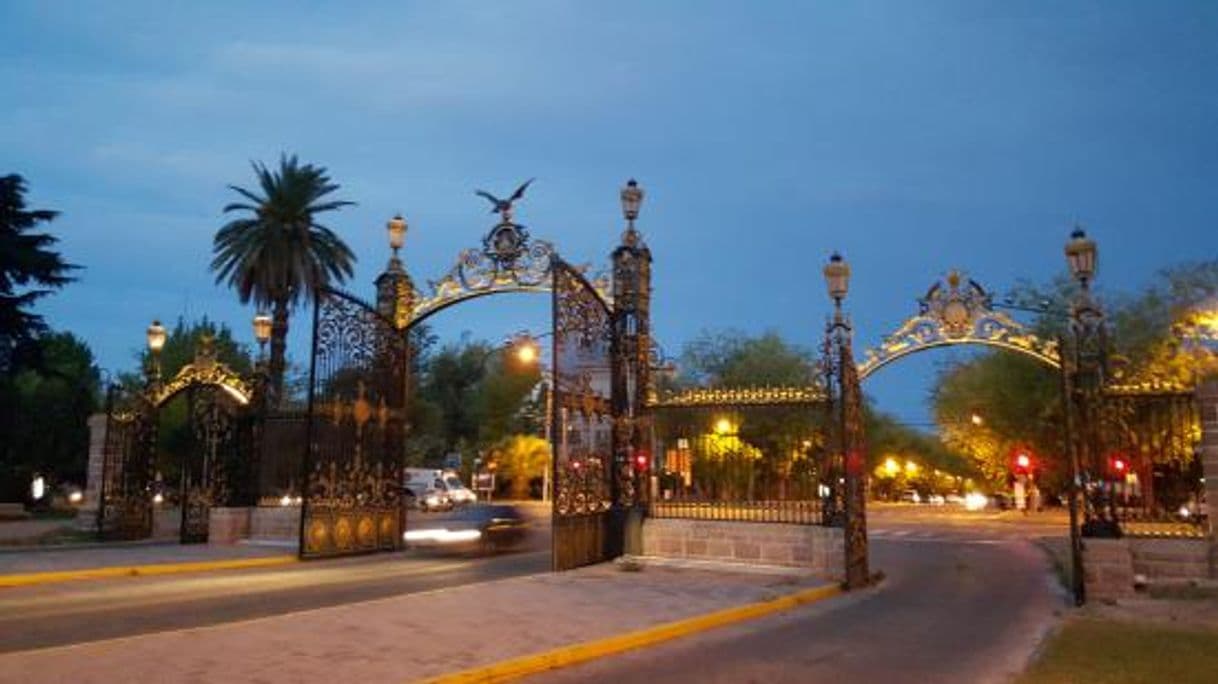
214, 471
613, 309
960, 313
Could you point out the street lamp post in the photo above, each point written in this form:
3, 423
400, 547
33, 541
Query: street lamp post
1082, 383
262, 333
156, 342
843, 381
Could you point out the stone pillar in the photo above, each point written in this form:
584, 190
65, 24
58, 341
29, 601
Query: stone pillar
395, 293
1207, 410
395, 300
86, 519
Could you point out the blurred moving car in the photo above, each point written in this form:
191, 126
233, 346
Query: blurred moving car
485, 528
426, 499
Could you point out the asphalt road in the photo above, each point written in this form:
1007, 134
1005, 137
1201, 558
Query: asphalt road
966, 599
73, 612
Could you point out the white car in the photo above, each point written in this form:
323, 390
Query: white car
436, 489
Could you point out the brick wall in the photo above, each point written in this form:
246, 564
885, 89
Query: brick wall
166, 522
1168, 559
227, 525
275, 523
819, 549
1107, 569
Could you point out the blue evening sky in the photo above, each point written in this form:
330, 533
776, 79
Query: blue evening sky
913, 137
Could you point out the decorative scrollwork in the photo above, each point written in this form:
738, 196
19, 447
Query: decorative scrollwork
352, 494
204, 370
125, 505
583, 332
958, 315
744, 396
509, 261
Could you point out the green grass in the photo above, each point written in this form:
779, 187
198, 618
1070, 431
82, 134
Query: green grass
1087, 650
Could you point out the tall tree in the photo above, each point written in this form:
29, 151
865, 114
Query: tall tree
29, 268
731, 358
49, 433
278, 254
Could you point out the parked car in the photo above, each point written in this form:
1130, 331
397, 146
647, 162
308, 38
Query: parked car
444, 483
911, 496
483, 528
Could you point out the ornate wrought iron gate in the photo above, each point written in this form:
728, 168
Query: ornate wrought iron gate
125, 496
213, 464
356, 430
587, 518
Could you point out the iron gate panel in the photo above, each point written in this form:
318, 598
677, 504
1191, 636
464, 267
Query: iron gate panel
587, 521
356, 431
214, 462
125, 496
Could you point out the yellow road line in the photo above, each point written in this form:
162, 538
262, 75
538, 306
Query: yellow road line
565, 656
32, 578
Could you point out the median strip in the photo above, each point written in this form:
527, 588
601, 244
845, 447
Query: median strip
574, 654
33, 578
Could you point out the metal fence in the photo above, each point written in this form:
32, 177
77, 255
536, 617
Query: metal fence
281, 456
778, 511
743, 464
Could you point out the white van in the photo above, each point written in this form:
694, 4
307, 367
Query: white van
436, 489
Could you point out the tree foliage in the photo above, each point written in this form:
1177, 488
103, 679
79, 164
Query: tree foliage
1019, 399
470, 396
29, 270
731, 358
278, 254
999, 402
520, 459
50, 407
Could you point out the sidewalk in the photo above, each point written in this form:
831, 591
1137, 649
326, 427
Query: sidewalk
61, 560
410, 637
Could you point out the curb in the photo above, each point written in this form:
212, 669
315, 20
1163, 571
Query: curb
34, 578
574, 654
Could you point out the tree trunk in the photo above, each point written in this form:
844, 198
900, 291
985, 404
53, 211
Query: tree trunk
279, 346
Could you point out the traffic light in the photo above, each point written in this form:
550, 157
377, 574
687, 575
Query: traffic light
1118, 465
1023, 463
641, 460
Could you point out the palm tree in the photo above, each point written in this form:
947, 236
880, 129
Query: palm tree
278, 254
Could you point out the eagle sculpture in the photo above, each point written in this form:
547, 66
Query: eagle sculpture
504, 207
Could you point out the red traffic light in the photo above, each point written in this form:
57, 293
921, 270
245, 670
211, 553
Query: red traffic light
1023, 462
641, 459
1118, 465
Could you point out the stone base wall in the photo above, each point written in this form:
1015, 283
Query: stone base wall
818, 549
227, 525
275, 523
1107, 569
166, 522
1168, 559
1110, 565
